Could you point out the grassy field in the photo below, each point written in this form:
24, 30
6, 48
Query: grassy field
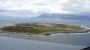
45, 29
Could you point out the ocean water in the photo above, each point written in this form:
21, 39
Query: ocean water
72, 38
7, 43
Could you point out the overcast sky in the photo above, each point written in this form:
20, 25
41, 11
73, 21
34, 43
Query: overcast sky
53, 6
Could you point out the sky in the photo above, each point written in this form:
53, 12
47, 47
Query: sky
26, 7
53, 6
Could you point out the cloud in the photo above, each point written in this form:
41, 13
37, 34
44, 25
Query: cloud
52, 6
33, 5
78, 6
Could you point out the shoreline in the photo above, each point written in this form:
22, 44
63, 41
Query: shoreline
43, 29
25, 35
50, 38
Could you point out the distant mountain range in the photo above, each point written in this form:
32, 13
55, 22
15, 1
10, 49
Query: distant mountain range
18, 15
65, 16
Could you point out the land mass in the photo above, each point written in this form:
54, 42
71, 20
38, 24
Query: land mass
44, 29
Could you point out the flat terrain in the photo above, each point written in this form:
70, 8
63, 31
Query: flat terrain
44, 29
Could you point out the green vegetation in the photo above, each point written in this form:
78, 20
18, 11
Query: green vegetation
45, 29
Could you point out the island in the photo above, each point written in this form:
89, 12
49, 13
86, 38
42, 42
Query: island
43, 28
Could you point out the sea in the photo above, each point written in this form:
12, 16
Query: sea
71, 38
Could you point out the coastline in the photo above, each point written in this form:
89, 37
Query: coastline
85, 29
17, 35
56, 38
